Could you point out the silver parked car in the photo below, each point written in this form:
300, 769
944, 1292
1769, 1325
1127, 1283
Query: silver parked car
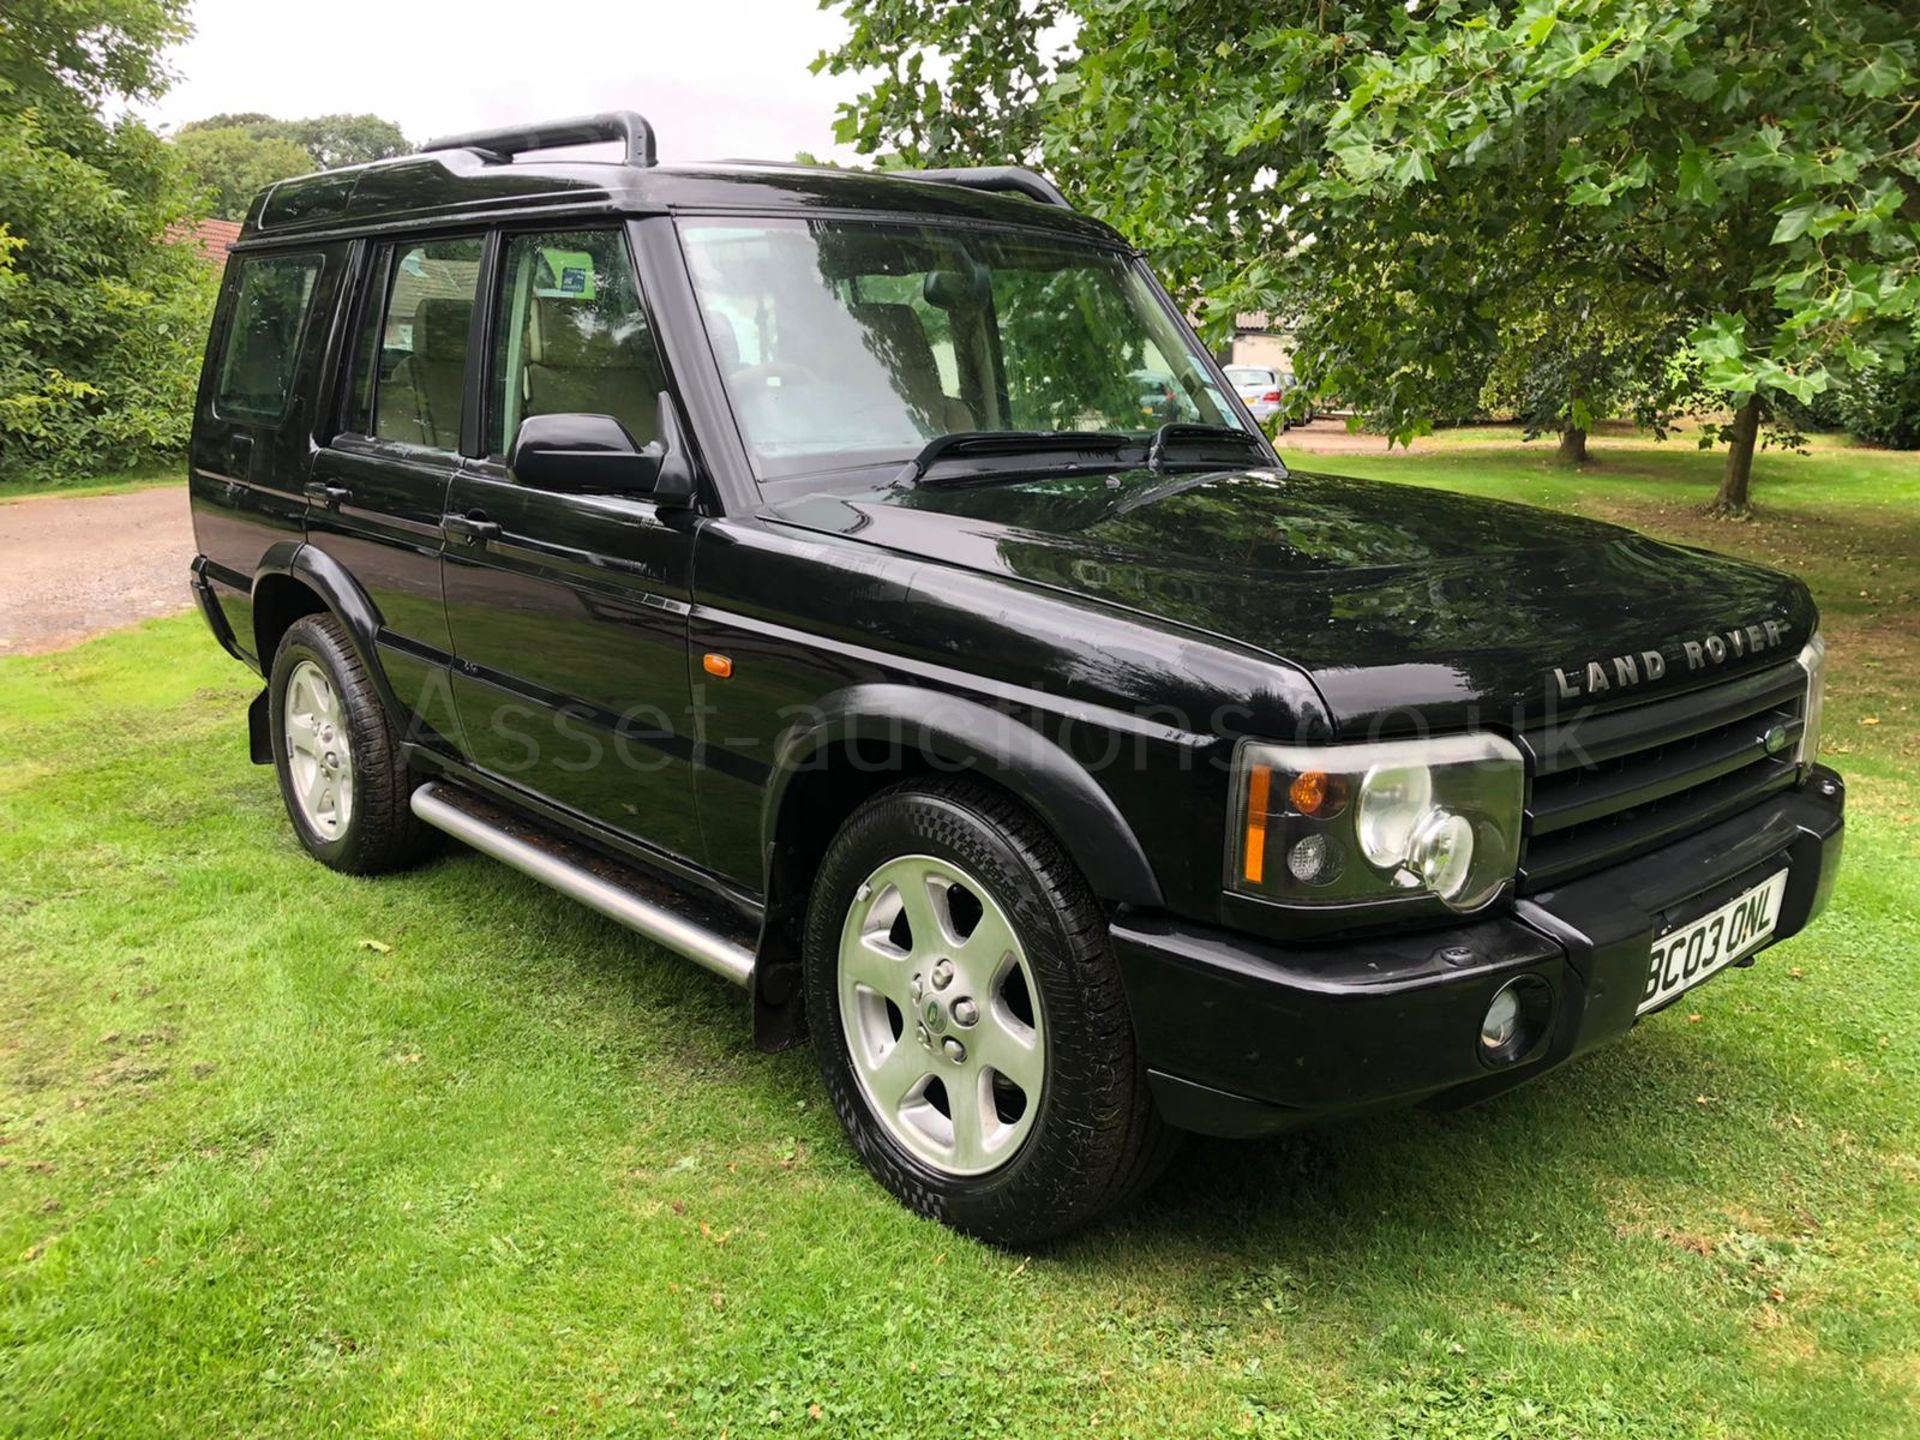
1263, 390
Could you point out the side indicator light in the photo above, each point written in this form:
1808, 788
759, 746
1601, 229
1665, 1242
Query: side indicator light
720, 666
1253, 864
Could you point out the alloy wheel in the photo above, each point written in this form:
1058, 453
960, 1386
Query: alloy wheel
941, 1015
319, 756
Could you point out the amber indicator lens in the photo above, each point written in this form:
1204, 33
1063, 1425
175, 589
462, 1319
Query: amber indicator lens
1319, 794
1259, 794
718, 665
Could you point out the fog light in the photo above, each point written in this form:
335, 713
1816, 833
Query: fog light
1503, 1018
1516, 1021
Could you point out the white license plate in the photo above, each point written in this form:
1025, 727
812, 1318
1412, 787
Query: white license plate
1684, 957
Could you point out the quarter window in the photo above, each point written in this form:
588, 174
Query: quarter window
263, 341
410, 371
572, 337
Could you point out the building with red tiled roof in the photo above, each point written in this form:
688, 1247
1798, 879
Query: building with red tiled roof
214, 237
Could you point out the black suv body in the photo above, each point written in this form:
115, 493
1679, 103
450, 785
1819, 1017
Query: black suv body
786, 563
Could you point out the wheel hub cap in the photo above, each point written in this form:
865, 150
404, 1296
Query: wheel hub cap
940, 1015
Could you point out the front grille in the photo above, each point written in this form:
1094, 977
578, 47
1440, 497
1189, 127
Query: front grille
1605, 787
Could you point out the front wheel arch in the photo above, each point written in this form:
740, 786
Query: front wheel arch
916, 730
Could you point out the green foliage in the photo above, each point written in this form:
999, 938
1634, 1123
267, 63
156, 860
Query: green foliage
1389, 173
101, 320
329, 140
1570, 354
232, 166
86, 51
234, 157
1884, 408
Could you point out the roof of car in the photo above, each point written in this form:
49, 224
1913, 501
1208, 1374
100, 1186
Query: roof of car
429, 189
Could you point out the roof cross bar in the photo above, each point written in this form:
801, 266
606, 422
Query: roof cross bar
626, 126
1013, 179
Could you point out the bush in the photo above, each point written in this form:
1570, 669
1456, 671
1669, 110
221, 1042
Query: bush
1884, 409
101, 320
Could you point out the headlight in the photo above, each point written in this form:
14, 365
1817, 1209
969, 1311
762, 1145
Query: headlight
1394, 820
1813, 660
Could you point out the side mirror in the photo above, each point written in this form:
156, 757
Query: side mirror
594, 455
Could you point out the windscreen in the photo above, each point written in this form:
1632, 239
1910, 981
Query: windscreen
846, 343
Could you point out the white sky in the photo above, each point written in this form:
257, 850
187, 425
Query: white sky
719, 79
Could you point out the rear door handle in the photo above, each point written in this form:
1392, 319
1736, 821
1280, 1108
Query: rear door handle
331, 496
474, 527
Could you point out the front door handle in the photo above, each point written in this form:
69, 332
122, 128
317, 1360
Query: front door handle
330, 496
473, 527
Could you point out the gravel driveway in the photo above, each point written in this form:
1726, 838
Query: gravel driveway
71, 567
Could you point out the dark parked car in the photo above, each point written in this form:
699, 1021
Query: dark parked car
780, 562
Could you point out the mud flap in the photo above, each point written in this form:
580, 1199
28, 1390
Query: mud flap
779, 1018
259, 730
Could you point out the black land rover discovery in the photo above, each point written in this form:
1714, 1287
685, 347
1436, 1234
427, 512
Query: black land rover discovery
792, 565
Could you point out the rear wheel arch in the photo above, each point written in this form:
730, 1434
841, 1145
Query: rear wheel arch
278, 601
294, 580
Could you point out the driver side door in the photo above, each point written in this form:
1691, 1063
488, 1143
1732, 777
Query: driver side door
568, 610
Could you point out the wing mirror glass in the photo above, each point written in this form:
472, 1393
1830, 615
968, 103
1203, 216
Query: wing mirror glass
595, 455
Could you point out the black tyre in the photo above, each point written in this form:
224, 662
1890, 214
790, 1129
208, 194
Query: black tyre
969, 1018
337, 756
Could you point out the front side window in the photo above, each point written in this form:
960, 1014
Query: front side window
263, 342
845, 343
572, 337
410, 367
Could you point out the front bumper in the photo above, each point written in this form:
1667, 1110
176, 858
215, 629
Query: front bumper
1244, 1037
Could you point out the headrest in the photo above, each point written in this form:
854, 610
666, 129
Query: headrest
440, 328
573, 335
900, 334
957, 289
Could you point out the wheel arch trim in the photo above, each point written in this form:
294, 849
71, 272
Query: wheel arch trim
957, 735
343, 598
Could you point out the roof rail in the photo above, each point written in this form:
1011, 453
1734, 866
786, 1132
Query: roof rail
1013, 179
627, 126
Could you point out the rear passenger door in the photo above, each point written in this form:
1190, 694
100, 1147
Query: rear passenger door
379, 487
569, 609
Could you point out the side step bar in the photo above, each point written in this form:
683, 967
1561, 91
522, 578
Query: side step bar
515, 842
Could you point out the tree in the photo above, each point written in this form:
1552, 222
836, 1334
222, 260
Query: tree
236, 156
101, 320
1751, 163
232, 166
1575, 347
336, 140
329, 140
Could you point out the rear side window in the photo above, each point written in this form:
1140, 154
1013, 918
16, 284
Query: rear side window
410, 368
263, 340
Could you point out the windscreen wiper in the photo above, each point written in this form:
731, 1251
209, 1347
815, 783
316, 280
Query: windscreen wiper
1185, 433
975, 455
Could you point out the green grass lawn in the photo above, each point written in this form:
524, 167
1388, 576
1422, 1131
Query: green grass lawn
283, 1152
